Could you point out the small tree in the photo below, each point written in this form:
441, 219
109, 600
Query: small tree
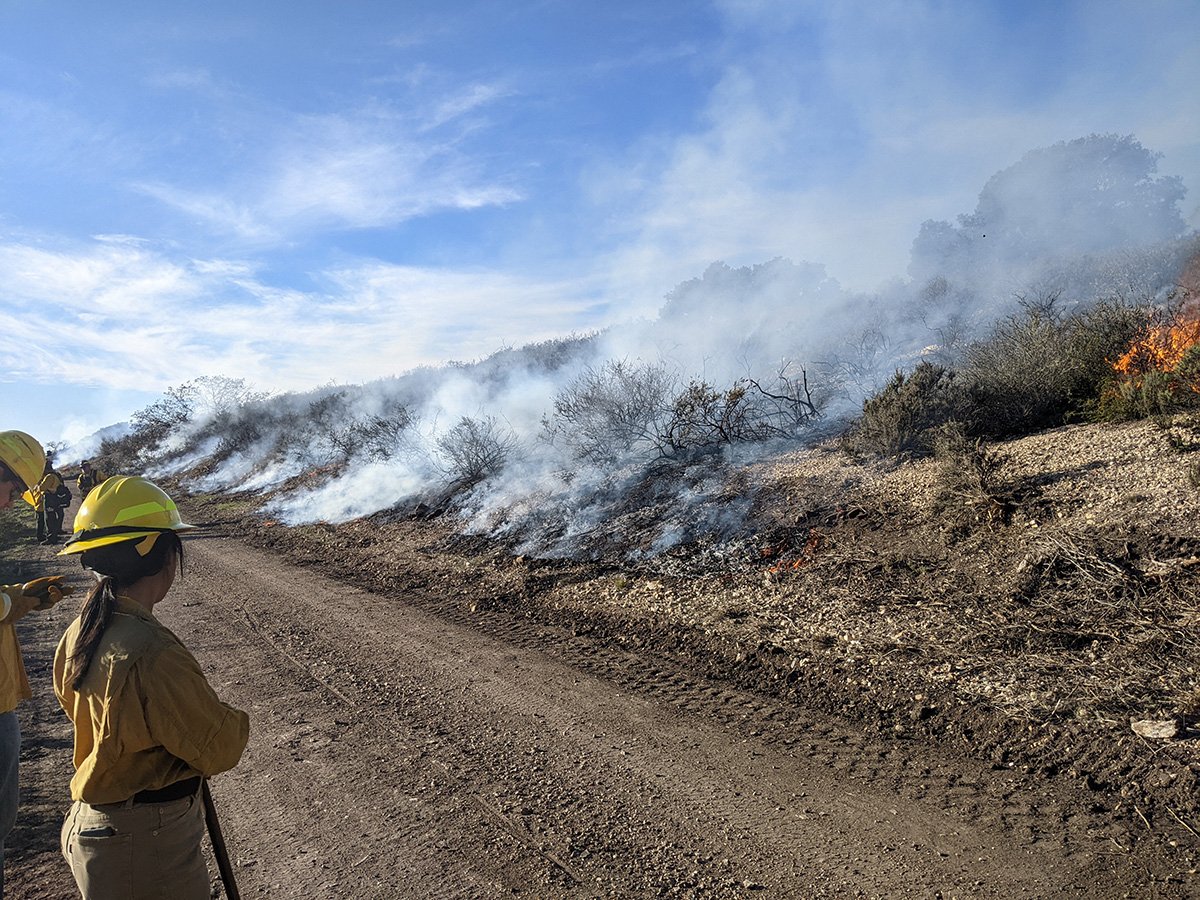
219, 396
156, 421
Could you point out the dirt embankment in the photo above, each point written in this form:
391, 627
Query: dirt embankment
1028, 623
877, 693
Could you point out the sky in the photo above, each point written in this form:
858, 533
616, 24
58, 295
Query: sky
308, 192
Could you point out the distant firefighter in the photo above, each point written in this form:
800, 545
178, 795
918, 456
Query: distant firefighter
51, 497
89, 477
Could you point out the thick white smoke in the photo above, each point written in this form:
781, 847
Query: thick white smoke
1079, 221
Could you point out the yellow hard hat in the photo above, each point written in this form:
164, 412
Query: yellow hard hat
123, 508
24, 457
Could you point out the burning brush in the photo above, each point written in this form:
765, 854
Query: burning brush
1160, 370
1164, 348
803, 558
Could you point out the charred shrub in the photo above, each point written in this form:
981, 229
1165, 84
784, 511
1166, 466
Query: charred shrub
119, 454
903, 418
381, 435
705, 417
332, 436
242, 430
476, 449
611, 412
340, 432
1040, 369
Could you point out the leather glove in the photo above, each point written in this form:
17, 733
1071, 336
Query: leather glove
20, 602
48, 591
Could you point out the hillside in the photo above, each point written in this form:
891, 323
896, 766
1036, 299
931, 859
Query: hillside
1027, 628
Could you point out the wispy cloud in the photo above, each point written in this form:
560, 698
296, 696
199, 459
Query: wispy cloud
368, 169
133, 319
468, 100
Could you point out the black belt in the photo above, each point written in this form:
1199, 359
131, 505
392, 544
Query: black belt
176, 791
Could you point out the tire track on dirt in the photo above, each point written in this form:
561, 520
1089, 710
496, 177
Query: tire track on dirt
604, 771
980, 791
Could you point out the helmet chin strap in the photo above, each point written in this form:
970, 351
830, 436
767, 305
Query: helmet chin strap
146, 544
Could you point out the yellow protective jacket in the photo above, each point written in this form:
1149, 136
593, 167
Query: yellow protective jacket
50, 483
14, 683
145, 716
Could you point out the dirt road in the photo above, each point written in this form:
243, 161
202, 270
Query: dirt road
399, 752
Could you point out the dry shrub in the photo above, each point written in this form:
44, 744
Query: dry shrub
243, 430
476, 449
1040, 368
705, 417
611, 412
1100, 629
382, 435
970, 484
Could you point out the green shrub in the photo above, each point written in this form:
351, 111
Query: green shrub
1040, 369
902, 419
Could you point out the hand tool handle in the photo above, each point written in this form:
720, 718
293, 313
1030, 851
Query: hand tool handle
218, 843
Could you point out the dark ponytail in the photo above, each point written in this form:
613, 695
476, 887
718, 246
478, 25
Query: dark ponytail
118, 566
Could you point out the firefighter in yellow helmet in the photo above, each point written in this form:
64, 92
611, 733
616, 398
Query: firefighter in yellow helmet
89, 477
148, 726
51, 497
22, 462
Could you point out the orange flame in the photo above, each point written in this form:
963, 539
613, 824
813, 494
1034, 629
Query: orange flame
1160, 349
805, 557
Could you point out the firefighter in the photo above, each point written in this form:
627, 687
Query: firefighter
148, 726
51, 497
22, 461
88, 478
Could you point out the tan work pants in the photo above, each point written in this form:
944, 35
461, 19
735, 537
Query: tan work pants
146, 851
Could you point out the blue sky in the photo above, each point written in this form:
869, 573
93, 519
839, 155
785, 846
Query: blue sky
298, 193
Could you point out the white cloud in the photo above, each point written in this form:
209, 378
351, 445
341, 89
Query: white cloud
131, 318
218, 211
471, 98
366, 168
